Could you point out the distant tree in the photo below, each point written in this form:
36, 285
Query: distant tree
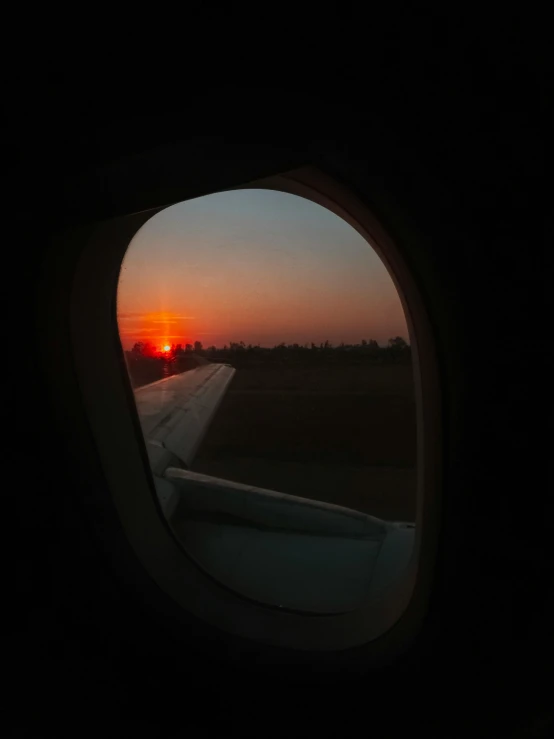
398, 342
144, 349
188, 348
372, 348
198, 347
398, 349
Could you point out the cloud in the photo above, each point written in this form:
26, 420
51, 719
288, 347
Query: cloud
154, 317
167, 321
131, 331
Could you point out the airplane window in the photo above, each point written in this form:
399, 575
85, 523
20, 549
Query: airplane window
271, 365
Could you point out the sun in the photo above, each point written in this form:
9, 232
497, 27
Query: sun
167, 348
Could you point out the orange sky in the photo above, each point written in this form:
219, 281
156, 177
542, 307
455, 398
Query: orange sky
255, 266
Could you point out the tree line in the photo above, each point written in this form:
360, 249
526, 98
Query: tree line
396, 347
146, 363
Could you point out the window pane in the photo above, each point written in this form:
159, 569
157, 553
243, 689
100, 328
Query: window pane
285, 362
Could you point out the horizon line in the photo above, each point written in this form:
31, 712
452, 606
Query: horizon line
304, 345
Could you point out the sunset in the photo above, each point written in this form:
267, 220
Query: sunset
266, 345
257, 266
286, 317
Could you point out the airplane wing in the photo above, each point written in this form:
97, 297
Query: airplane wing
175, 413
272, 547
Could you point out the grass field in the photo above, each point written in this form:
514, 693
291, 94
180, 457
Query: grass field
344, 434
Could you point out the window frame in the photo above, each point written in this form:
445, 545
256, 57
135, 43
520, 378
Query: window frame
383, 629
